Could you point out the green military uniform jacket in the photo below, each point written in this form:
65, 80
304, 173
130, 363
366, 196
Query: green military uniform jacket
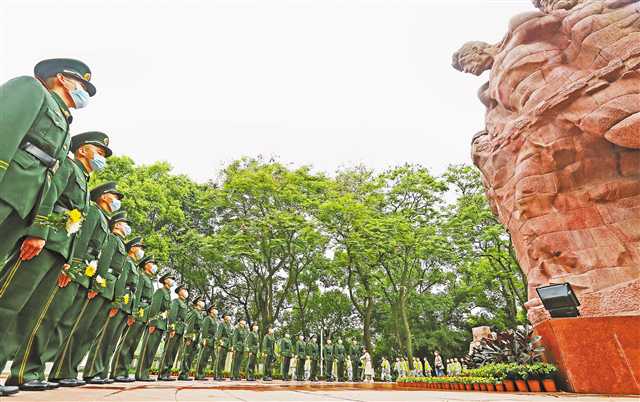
160, 304
312, 350
68, 192
131, 286
329, 351
194, 323
30, 113
339, 352
252, 343
285, 347
268, 345
354, 352
88, 244
110, 264
224, 335
144, 294
209, 329
239, 336
177, 320
301, 349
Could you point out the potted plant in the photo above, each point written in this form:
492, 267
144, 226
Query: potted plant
467, 384
532, 374
510, 374
548, 373
499, 386
521, 379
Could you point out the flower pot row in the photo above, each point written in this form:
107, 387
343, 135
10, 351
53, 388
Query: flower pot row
530, 385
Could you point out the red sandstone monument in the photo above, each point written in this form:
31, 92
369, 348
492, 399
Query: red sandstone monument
560, 159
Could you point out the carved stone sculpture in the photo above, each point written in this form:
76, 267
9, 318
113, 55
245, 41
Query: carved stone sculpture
560, 152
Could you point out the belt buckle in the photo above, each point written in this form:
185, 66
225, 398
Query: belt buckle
55, 167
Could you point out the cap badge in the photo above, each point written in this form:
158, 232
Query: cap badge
87, 76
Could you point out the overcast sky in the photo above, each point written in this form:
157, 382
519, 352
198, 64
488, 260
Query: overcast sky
327, 83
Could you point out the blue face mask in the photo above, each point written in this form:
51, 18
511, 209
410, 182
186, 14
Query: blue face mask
80, 97
98, 162
126, 230
139, 254
115, 205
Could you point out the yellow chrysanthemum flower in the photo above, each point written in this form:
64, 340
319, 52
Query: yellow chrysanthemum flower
90, 270
141, 312
101, 281
126, 299
74, 215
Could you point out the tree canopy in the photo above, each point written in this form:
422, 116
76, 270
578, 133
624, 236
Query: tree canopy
403, 260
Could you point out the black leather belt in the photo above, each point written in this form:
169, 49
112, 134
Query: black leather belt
46, 159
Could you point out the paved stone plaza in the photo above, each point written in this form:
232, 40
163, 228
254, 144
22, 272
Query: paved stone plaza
234, 392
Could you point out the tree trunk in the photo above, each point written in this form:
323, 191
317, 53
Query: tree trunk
402, 305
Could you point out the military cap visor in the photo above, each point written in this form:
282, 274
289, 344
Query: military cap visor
211, 308
145, 261
135, 242
197, 299
70, 67
179, 288
118, 217
165, 277
106, 188
93, 138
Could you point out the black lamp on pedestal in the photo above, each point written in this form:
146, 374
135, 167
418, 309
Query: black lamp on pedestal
559, 300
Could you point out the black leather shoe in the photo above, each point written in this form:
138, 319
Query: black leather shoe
95, 380
34, 385
109, 380
70, 382
185, 378
52, 385
166, 378
6, 391
122, 378
145, 379
201, 378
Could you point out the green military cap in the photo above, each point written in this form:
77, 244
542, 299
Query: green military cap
165, 276
120, 216
145, 261
91, 137
106, 188
197, 299
211, 307
69, 67
135, 242
180, 287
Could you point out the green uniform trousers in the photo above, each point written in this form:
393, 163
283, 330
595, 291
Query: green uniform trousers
251, 365
18, 284
172, 345
126, 349
313, 376
355, 364
237, 362
329, 369
206, 354
77, 343
222, 358
12, 229
284, 368
38, 320
341, 370
189, 353
65, 324
150, 344
104, 346
300, 369
268, 365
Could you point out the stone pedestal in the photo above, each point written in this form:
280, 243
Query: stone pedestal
595, 354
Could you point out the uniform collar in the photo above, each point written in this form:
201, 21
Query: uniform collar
63, 107
82, 168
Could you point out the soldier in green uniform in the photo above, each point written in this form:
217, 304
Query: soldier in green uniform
160, 305
75, 328
125, 300
131, 338
68, 196
286, 350
108, 318
268, 352
224, 339
355, 351
313, 354
339, 353
34, 121
176, 325
301, 355
252, 346
239, 336
207, 342
329, 358
192, 338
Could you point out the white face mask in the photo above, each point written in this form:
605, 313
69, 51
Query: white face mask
139, 254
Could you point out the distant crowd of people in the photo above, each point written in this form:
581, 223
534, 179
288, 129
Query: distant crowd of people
421, 368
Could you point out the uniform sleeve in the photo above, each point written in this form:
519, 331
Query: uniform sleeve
85, 235
205, 328
138, 295
156, 303
106, 254
20, 102
58, 186
173, 312
121, 282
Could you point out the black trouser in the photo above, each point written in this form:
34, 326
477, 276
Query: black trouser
341, 370
300, 369
313, 376
251, 365
355, 364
